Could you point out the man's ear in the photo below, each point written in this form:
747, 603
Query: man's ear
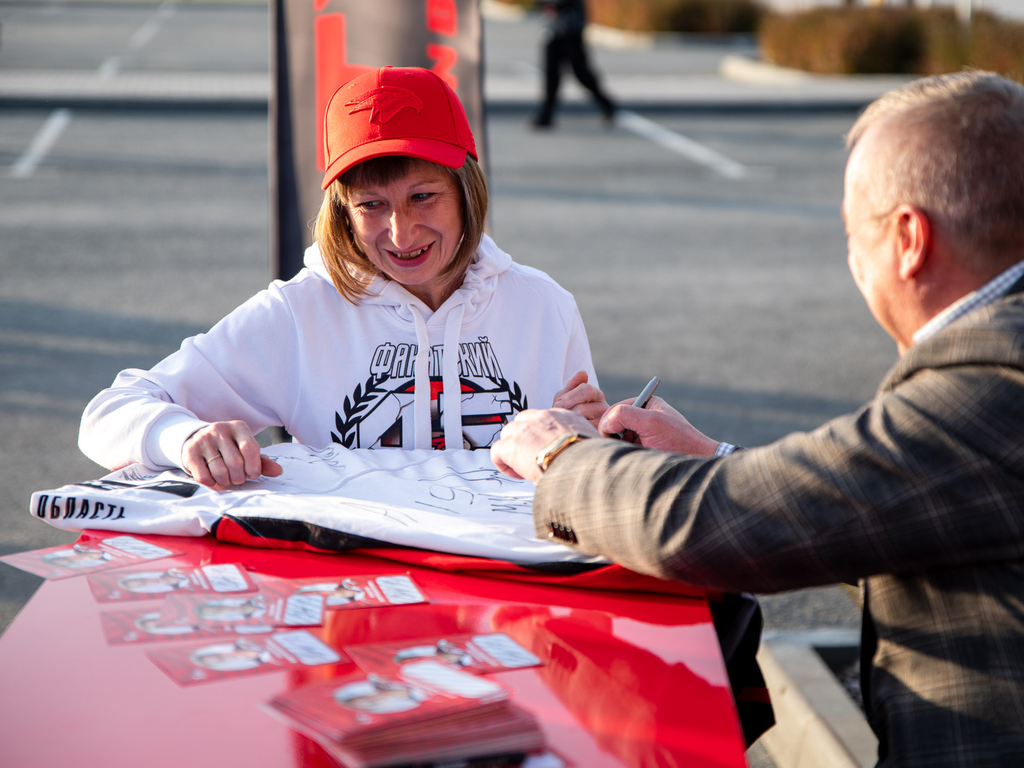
913, 240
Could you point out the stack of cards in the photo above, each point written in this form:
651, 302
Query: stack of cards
426, 711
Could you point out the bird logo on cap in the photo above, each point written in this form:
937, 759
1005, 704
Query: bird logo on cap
384, 103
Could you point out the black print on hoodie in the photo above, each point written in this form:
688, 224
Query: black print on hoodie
379, 414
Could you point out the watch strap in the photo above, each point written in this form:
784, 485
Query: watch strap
546, 456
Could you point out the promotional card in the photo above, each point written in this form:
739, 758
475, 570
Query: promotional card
478, 654
241, 657
278, 603
362, 591
152, 625
130, 584
79, 559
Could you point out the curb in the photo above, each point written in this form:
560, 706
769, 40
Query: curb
817, 724
744, 69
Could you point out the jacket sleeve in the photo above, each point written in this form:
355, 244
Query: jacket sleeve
929, 475
243, 369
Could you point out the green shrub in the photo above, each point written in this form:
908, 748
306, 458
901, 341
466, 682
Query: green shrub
707, 16
859, 40
845, 40
991, 43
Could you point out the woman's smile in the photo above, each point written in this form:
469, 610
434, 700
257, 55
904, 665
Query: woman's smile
411, 229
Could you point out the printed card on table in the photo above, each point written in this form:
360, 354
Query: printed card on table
209, 661
148, 583
478, 654
362, 591
92, 557
279, 603
360, 702
153, 625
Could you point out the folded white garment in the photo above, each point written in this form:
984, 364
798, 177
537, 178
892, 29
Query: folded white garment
332, 498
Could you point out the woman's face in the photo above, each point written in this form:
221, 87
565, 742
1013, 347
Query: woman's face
410, 229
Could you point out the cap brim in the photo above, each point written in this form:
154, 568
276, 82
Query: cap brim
440, 152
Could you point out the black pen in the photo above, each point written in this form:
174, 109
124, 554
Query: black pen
641, 401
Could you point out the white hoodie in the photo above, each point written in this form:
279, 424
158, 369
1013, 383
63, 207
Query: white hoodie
299, 355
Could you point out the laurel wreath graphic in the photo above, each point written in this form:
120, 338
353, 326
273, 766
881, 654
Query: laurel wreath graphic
517, 399
361, 400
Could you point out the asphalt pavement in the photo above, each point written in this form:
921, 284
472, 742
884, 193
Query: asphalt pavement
701, 234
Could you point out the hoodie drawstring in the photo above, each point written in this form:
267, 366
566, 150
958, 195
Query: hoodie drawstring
449, 380
421, 397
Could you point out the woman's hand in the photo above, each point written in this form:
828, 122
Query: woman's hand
582, 398
225, 453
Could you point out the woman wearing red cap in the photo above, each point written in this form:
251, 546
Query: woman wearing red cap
403, 301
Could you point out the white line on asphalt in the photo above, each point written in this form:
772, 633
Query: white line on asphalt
681, 145
141, 37
41, 144
145, 33
109, 68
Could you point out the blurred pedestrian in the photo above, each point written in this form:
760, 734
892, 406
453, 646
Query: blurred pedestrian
565, 22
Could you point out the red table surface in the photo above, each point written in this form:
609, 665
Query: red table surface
630, 679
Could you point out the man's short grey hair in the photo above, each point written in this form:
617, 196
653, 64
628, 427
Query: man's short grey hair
958, 154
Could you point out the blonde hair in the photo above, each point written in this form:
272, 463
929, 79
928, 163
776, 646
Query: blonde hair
350, 270
957, 153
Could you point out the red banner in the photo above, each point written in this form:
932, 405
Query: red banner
317, 46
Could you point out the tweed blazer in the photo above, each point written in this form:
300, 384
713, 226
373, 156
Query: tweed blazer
919, 495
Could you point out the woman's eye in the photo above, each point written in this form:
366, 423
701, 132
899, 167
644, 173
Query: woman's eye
423, 195
370, 205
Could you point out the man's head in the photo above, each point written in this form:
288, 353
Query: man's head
934, 195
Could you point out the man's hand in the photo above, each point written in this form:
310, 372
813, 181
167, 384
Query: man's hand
658, 426
580, 397
528, 434
225, 453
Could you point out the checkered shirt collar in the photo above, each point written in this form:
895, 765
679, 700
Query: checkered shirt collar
994, 289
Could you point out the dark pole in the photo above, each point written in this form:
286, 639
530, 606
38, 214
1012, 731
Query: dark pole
286, 245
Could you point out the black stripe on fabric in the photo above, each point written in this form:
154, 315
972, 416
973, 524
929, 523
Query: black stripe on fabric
317, 536
333, 540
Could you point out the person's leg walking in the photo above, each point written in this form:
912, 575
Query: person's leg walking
553, 55
576, 52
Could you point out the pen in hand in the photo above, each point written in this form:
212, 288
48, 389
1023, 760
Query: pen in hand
641, 401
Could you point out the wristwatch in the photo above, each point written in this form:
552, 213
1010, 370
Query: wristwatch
546, 456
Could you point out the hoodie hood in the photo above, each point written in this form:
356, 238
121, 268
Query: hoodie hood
464, 305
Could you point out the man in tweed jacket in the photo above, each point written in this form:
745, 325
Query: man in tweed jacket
919, 495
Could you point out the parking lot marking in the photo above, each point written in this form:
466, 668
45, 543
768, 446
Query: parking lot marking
681, 145
109, 68
141, 37
42, 142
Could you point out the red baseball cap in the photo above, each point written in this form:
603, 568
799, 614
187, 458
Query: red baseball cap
395, 111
